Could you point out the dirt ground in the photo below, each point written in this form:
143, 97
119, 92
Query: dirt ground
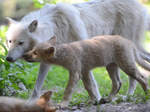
122, 107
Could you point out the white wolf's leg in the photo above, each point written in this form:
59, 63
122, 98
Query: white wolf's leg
39, 82
73, 79
132, 86
91, 86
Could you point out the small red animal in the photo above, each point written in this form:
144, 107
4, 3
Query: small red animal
9, 104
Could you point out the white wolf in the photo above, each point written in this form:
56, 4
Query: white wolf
127, 18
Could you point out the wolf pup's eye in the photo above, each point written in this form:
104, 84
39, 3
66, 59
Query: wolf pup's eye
20, 43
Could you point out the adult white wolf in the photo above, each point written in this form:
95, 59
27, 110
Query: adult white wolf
75, 22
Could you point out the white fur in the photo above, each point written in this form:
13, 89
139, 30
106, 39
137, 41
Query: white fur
148, 21
96, 17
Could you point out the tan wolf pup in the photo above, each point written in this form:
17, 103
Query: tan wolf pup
9, 104
80, 57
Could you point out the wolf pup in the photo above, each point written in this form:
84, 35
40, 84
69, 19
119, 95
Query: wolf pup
80, 57
8, 104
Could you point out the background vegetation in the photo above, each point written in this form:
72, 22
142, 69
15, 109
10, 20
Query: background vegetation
18, 79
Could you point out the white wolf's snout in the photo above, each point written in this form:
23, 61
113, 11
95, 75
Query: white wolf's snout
14, 54
10, 59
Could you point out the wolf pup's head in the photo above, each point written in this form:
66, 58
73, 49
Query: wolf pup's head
19, 40
43, 51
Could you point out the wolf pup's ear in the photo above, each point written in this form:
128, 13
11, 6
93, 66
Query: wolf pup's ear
53, 40
33, 25
44, 99
50, 51
10, 20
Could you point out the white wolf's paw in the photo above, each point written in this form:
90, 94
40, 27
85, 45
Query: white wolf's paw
64, 104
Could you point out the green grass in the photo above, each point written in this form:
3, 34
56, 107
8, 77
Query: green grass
57, 79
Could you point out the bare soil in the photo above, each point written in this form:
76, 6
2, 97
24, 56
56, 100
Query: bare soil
121, 107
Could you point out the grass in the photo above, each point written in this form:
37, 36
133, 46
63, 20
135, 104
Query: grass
57, 79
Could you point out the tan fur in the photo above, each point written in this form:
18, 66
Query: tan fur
80, 57
9, 104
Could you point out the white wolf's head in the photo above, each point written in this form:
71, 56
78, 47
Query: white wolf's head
19, 39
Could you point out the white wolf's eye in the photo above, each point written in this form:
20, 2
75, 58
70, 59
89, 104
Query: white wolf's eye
9, 41
20, 43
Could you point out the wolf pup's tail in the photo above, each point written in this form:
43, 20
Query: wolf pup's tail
141, 61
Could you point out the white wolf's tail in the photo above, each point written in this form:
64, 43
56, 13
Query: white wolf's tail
148, 23
143, 53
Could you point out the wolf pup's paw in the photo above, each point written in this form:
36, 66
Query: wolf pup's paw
105, 100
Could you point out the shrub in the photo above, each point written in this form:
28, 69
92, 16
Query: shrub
14, 77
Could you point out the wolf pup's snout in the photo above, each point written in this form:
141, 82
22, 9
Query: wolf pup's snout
28, 57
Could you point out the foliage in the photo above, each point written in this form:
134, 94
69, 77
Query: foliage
41, 3
12, 75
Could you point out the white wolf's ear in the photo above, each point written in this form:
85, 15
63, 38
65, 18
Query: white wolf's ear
44, 99
10, 20
53, 40
33, 25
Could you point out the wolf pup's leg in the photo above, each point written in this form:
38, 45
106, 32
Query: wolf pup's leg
73, 79
130, 68
91, 86
39, 82
135, 73
114, 73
